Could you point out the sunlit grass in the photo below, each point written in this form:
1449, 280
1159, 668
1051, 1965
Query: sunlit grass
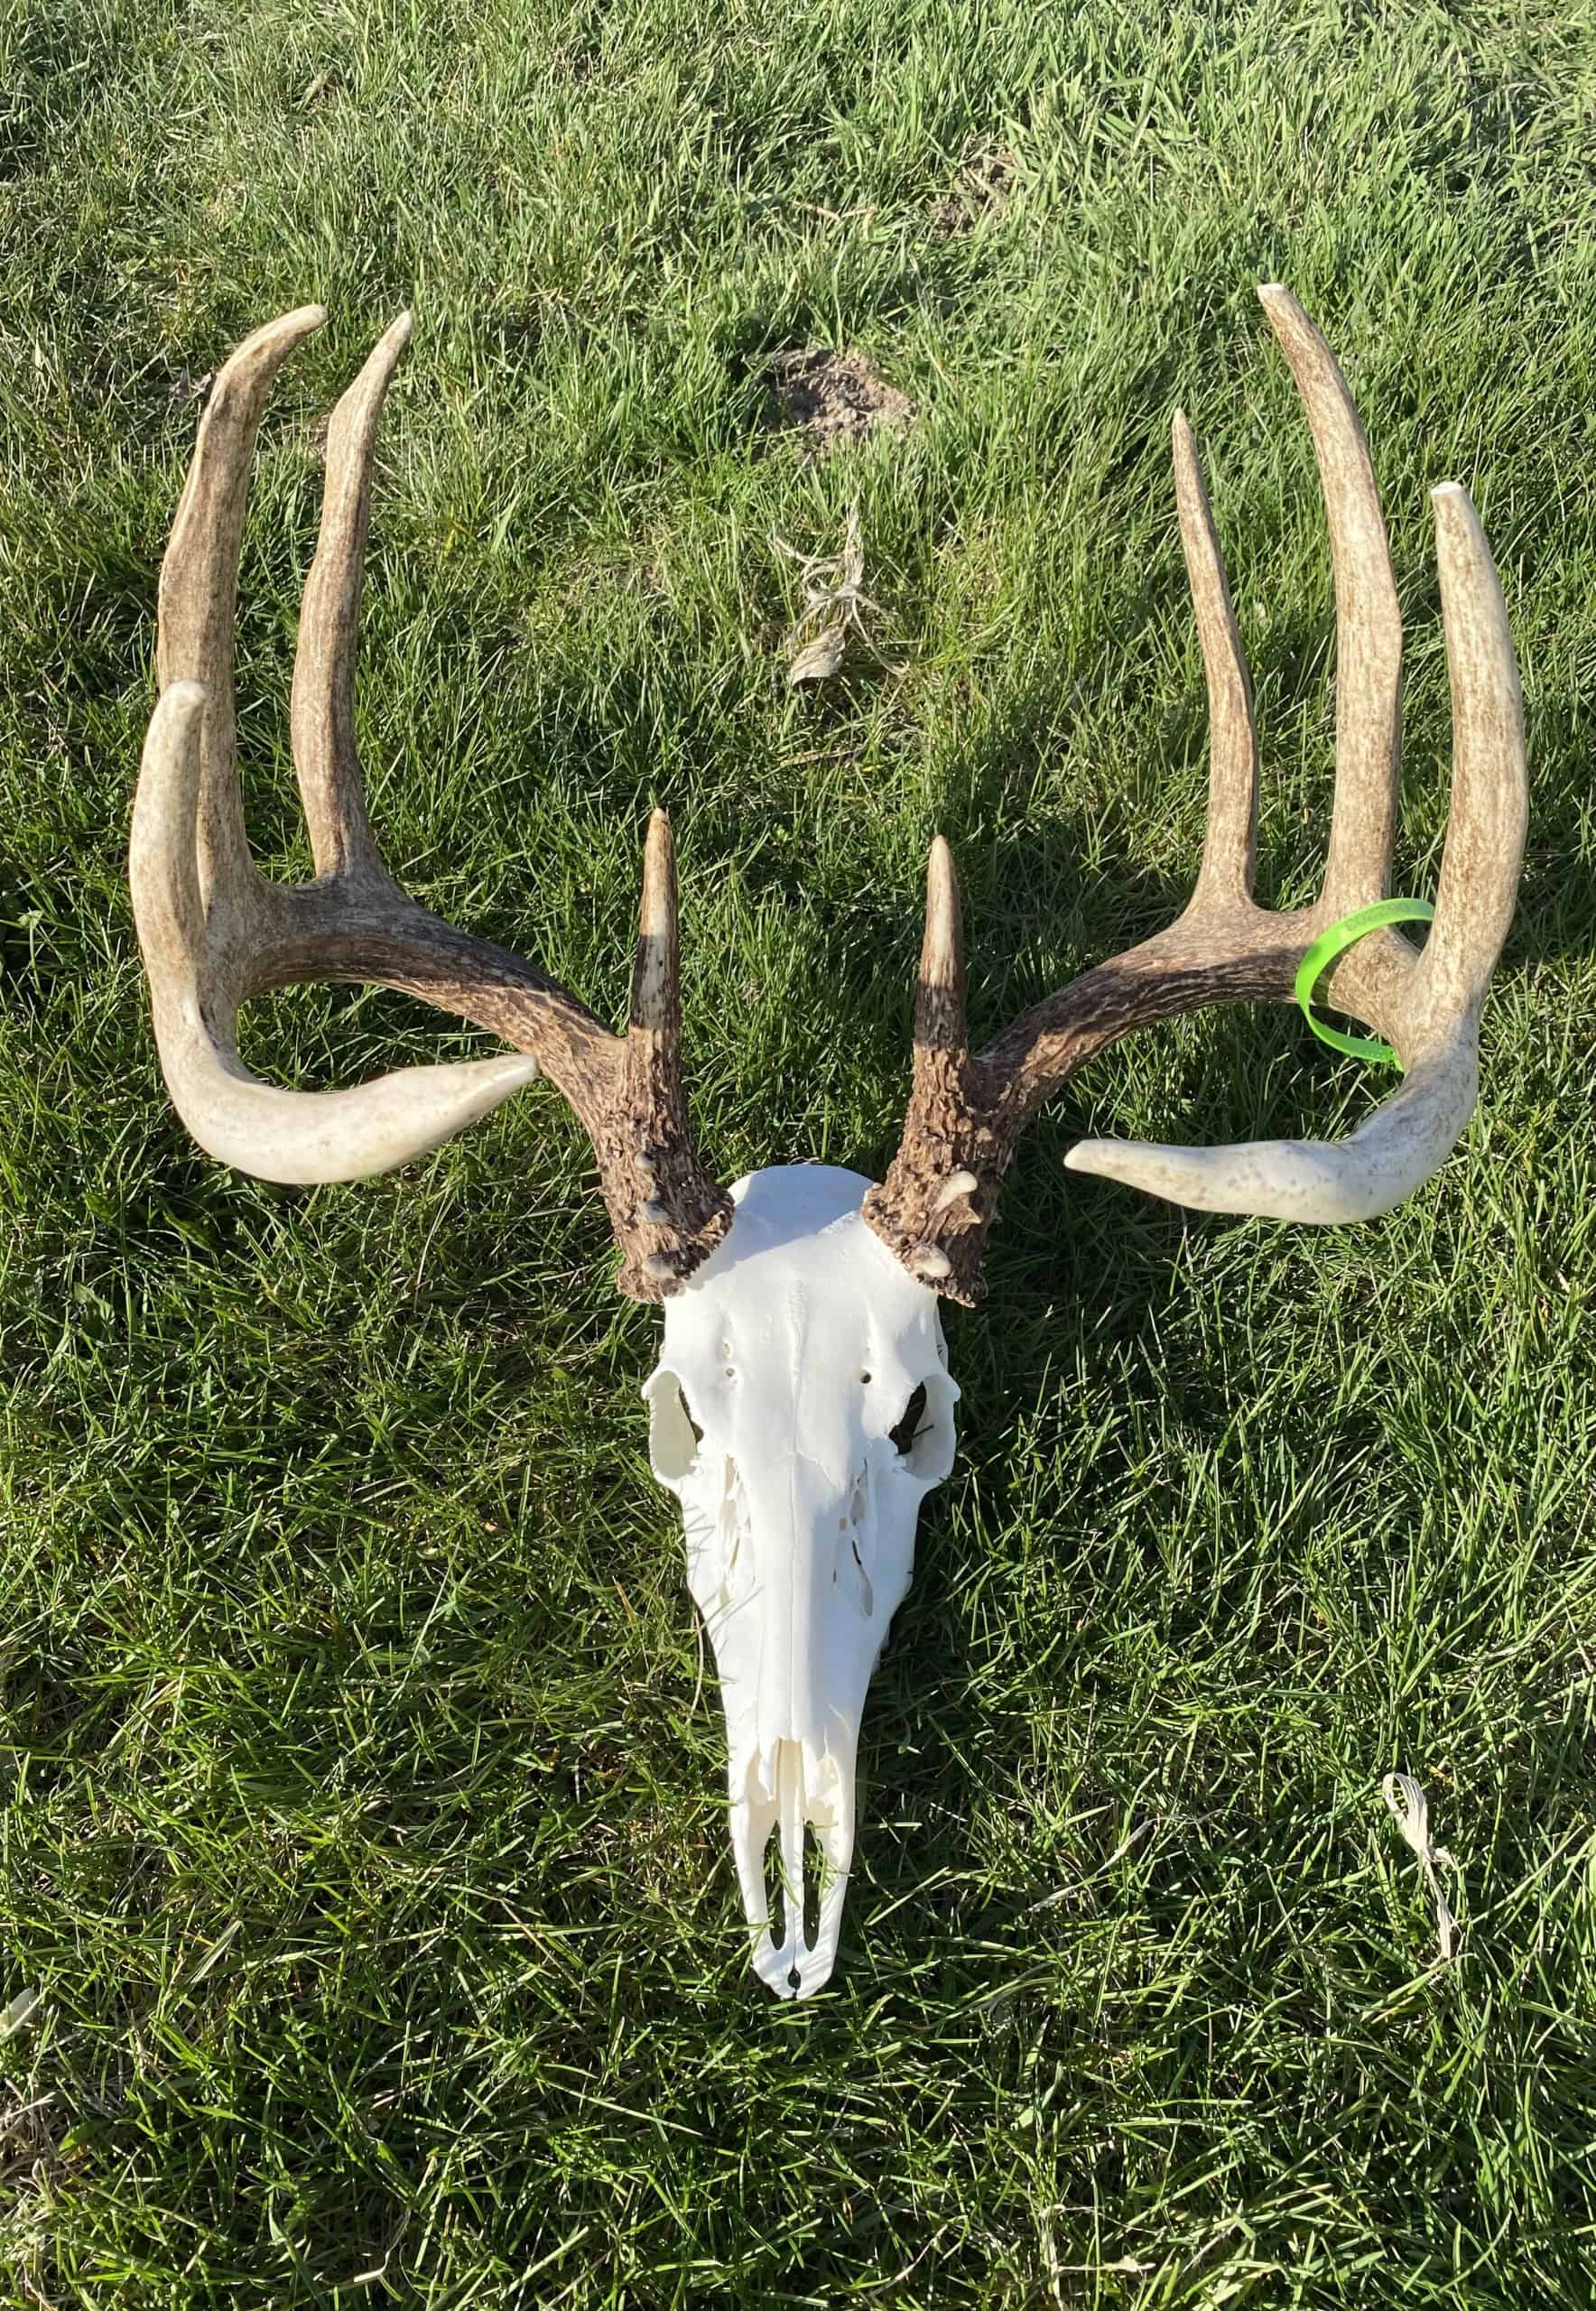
365, 1828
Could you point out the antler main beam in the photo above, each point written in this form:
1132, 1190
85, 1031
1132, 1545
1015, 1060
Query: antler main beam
966, 1112
214, 932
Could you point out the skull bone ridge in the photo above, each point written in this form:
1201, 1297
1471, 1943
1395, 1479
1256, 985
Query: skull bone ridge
801, 1411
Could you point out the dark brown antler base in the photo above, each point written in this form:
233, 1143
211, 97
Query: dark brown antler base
938, 1199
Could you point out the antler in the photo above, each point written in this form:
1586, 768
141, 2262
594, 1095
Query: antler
965, 1113
214, 932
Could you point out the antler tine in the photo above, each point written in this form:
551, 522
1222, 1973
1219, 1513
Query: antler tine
1369, 619
198, 588
1230, 844
1490, 812
655, 1096
656, 969
298, 1138
323, 713
925, 1211
213, 932
667, 1212
940, 993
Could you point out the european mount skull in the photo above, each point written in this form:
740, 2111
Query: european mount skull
802, 1407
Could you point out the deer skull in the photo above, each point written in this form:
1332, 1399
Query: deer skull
800, 1412
802, 1408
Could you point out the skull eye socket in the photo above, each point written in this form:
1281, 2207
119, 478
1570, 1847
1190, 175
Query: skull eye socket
922, 1435
906, 1428
673, 1434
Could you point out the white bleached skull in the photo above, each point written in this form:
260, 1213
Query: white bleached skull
801, 1411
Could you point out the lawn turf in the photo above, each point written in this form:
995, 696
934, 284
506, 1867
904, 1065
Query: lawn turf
362, 1827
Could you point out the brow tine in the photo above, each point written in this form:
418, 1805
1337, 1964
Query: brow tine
1230, 844
199, 584
939, 996
1368, 621
654, 1098
1490, 790
656, 969
322, 717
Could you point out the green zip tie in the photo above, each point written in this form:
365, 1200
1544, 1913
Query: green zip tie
1335, 941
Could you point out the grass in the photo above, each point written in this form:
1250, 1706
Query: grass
363, 1828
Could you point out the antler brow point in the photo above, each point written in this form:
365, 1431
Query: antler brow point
942, 959
303, 321
657, 913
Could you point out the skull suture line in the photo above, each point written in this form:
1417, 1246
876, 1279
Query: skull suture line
802, 1407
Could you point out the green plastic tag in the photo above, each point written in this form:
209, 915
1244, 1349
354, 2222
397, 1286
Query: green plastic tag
1335, 941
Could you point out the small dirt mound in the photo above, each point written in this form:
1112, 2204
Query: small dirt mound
978, 195
832, 397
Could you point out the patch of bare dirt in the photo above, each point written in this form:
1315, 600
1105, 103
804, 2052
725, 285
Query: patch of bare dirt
831, 398
978, 195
